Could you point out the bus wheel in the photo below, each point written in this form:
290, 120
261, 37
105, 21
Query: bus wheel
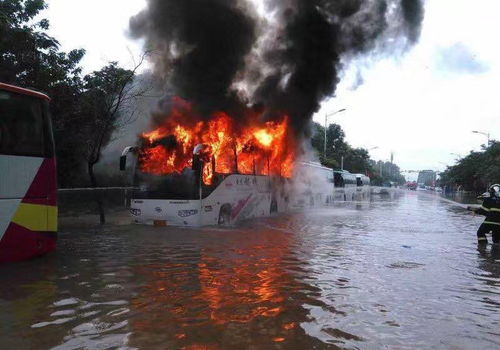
225, 214
274, 206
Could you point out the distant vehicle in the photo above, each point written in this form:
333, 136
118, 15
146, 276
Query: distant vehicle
363, 186
345, 185
412, 186
185, 200
28, 189
362, 180
311, 183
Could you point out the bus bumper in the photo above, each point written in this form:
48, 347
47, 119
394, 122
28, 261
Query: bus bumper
19, 243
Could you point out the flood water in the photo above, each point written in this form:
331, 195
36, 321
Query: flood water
400, 272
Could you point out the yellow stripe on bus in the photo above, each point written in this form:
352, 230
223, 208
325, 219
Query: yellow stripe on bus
36, 217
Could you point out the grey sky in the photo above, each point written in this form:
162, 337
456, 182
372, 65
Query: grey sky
422, 105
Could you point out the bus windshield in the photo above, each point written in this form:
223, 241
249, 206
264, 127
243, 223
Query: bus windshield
22, 126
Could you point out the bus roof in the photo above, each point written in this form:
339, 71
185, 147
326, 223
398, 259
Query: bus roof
23, 91
313, 165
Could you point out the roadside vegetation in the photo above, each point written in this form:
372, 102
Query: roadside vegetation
86, 108
355, 160
476, 171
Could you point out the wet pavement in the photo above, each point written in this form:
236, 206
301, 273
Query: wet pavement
399, 272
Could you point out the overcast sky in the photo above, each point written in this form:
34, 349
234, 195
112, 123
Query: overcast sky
422, 106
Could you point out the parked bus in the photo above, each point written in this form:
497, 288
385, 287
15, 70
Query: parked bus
345, 185
312, 185
28, 208
363, 186
185, 200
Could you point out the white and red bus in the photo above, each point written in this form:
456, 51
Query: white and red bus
28, 188
185, 200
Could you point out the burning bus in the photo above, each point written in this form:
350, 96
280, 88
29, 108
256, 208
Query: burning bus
192, 171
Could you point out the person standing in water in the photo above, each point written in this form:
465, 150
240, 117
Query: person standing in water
491, 209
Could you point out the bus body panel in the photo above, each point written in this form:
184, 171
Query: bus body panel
17, 175
28, 222
244, 196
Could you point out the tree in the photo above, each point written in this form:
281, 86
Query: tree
29, 57
476, 171
385, 172
355, 160
107, 104
335, 143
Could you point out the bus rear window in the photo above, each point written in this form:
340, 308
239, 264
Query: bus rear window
21, 125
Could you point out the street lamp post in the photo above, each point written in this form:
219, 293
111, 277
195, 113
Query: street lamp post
487, 134
326, 122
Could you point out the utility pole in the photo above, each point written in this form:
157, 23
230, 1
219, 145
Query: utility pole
326, 125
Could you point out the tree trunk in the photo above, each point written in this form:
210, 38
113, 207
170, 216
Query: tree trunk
97, 196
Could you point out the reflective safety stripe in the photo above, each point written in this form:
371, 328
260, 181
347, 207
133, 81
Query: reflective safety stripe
36, 217
481, 239
495, 209
484, 208
491, 223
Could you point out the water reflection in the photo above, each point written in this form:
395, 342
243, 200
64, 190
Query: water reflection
239, 296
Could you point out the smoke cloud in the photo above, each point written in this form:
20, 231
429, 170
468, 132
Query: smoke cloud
224, 55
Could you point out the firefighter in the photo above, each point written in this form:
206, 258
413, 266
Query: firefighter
491, 209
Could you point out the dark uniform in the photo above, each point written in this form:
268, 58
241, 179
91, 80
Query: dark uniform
490, 209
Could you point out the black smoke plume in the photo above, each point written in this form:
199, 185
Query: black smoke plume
221, 55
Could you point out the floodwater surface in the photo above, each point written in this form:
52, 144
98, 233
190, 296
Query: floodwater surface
399, 272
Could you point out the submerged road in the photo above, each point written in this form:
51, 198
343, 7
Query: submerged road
400, 272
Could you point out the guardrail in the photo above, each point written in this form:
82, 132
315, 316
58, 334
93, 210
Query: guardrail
83, 199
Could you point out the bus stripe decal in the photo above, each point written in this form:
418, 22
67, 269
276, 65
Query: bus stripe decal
43, 185
36, 217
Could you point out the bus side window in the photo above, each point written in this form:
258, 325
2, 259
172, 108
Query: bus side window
21, 125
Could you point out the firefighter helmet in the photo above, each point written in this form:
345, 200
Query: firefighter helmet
495, 190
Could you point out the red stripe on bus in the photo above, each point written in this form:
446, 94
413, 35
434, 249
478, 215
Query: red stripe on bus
19, 243
44, 184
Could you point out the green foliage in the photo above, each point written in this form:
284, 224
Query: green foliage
355, 160
385, 173
85, 110
103, 100
476, 171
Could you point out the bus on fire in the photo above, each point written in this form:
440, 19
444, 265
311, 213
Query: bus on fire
184, 199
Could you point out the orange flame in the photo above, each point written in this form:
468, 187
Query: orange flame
261, 148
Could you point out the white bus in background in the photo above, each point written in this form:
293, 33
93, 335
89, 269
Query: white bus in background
312, 185
185, 200
345, 185
363, 186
